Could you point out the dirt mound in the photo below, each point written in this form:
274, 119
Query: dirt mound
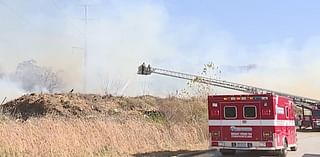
79, 105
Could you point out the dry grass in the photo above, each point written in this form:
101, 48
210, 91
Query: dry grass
95, 137
66, 124
192, 111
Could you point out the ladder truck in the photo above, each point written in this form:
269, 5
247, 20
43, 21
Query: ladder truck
305, 103
261, 120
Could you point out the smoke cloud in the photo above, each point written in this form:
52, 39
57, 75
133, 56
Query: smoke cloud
283, 66
241, 68
122, 35
9, 89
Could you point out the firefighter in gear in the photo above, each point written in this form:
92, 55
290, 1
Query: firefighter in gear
143, 68
299, 122
149, 69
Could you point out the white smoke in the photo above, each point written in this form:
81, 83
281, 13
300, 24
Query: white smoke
9, 89
283, 66
123, 34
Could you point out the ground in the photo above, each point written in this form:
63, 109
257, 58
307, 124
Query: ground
308, 146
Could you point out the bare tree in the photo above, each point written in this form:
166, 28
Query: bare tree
112, 87
51, 80
145, 87
34, 77
196, 88
1, 73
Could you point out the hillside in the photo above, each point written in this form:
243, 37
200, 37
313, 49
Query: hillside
66, 124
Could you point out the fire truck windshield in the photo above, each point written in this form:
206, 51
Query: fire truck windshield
316, 113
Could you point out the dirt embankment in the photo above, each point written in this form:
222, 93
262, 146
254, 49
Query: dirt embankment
76, 105
94, 125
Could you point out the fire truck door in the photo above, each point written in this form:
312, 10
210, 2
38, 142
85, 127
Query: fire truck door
251, 120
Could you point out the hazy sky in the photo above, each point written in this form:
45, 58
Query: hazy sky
278, 40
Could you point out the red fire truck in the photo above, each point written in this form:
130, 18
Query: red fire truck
252, 122
263, 120
310, 117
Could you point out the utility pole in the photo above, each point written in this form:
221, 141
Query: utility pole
85, 55
84, 48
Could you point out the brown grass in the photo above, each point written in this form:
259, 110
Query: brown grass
66, 124
95, 137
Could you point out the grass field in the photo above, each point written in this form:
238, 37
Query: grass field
92, 125
95, 137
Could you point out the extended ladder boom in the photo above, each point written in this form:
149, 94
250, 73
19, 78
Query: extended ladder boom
300, 101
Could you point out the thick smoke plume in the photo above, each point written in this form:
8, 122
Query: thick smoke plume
29, 77
33, 77
123, 34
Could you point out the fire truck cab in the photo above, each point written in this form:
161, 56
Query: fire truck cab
316, 118
252, 122
310, 117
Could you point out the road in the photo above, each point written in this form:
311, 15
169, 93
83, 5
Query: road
308, 146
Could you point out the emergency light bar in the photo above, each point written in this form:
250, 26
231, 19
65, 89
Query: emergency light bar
246, 98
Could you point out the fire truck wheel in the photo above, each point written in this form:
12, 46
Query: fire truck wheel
227, 151
295, 148
283, 152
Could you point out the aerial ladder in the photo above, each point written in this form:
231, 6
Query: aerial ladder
300, 101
